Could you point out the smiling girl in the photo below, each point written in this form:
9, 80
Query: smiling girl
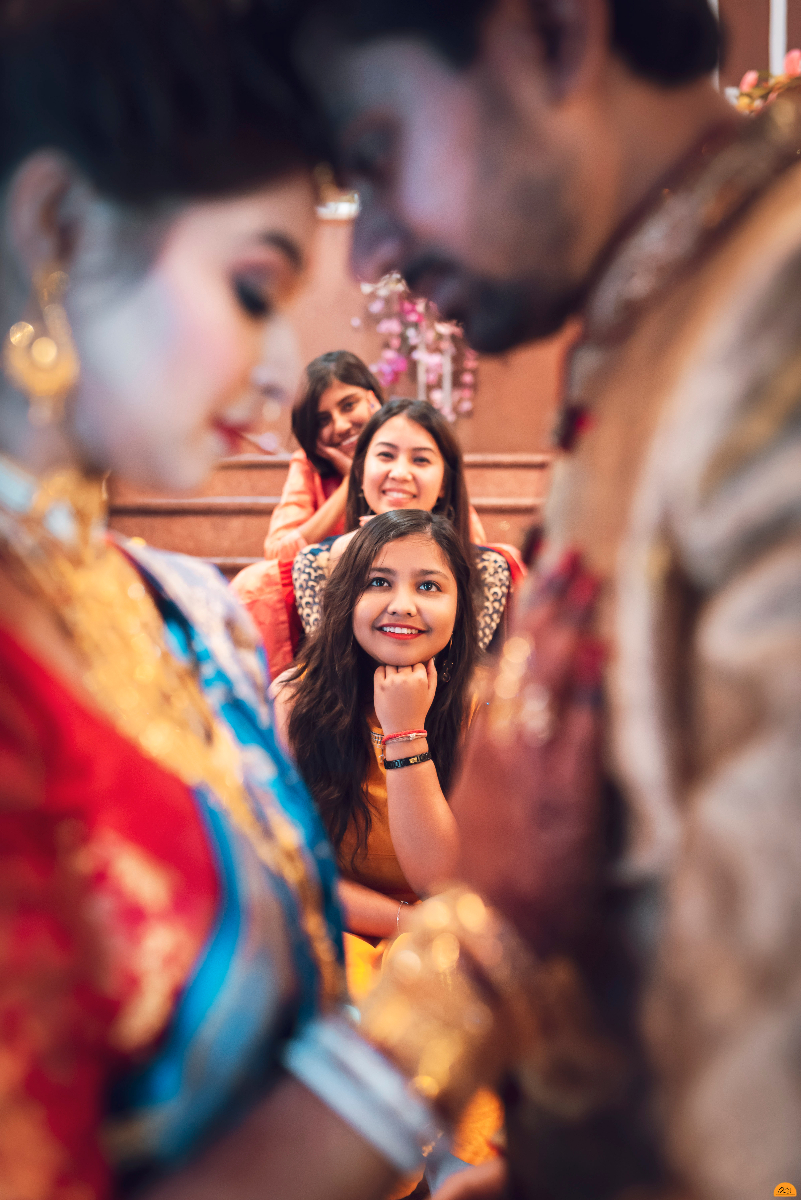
339, 396
407, 458
375, 713
393, 655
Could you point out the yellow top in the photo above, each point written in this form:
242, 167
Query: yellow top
376, 866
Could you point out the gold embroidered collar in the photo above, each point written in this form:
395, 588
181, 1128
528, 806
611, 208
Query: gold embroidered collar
681, 222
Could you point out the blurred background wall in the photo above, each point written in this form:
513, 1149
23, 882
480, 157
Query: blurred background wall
747, 26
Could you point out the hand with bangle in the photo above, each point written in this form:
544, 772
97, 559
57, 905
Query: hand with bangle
408, 735
462, 1003
465, 1000
403, 696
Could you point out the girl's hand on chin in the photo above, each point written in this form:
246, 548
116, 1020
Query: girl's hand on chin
403, 696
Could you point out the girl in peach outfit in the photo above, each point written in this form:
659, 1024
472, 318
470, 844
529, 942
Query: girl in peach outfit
339, 397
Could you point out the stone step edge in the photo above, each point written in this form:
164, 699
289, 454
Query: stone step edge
475, 459
209, 506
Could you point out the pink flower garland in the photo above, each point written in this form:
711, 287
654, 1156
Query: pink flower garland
417, 341
758, 88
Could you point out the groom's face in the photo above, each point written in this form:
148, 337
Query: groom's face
464, 187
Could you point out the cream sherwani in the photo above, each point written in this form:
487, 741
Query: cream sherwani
684, 492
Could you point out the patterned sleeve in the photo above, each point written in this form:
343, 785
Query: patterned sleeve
496, 579
309, 575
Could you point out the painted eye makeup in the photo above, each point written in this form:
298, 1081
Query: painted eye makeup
252, 299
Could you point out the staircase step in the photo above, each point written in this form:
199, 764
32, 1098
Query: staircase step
196, 506
226, 523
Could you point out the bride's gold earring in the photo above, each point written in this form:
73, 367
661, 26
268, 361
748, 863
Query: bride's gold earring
39, 356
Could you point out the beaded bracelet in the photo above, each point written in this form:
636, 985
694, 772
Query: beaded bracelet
394, 763
408, 735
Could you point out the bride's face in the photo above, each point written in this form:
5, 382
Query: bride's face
168, 354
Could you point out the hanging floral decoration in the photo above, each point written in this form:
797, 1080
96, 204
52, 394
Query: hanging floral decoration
418, 343
758, 88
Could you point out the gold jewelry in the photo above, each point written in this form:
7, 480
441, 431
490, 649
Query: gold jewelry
52, 533
40, 357
436, 1011
462, 999
403, 903
518, 703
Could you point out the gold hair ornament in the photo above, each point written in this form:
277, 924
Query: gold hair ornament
40, 357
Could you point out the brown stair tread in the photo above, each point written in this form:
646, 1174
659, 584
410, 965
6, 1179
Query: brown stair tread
195, 506
227, 523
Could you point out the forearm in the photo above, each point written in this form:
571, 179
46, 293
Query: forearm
291, 1147
421, 824
367, 912
324, 520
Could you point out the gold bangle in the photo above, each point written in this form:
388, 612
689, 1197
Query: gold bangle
433, 1013
462, 999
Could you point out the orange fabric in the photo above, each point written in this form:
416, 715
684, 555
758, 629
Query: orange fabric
376, 866
108, 891
265, 590
362, 964
481, 1122
304, 492
477, 535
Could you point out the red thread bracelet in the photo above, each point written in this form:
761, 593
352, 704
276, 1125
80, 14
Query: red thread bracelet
409, 734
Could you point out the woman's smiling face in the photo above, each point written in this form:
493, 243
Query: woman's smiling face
407, 612
403, 468
343, 412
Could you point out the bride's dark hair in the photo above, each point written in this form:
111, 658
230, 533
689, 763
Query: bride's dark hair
333, 679
154, 100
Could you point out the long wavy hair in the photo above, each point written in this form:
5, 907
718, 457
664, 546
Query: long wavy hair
454, 504
337, 366
333, 678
